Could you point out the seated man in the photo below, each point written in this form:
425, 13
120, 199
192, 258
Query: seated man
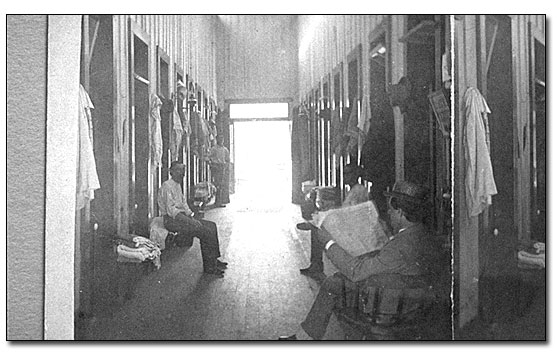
402, 261
179, 218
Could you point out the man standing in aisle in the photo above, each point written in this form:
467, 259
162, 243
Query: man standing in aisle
219, 157
178, 217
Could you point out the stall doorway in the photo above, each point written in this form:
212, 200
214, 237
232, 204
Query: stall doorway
497, 291
138, 133
538, 144
262, 159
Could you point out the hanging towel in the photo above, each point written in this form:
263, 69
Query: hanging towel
156, 134
356, 125
185, 117
87, 178
177, 133
365, 118
336, 129
480, 184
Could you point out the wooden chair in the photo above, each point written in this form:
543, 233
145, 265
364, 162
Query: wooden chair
378, 313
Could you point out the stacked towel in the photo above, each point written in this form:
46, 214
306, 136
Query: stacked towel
533, 257
144, 250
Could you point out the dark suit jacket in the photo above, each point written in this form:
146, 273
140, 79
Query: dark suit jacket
405, 255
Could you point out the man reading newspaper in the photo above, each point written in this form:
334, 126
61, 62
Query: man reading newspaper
405, 260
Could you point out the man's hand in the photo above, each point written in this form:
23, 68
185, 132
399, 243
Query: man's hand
189, 220
182, 217
385, 226
324, 236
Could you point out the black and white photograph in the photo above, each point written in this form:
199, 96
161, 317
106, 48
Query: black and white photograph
276, 177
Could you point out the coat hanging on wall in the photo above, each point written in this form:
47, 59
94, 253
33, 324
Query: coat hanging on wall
177, 133
195, 121
353, 131
480, 184
87, 180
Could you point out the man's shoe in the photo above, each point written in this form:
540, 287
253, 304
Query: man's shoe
221, 265
288, 338
214, 271
312, 270
304, 226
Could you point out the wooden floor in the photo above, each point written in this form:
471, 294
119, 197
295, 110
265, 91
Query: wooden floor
261, 296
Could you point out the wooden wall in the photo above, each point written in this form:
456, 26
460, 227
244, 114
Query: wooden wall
467, 230
258, 57
189, 40
191, 43
326, 40
522, 114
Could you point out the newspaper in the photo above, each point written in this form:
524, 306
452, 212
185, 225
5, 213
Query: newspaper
355, 228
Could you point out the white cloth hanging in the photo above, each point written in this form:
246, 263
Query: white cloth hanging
480, 184
177, 133
157, 232
365, 118
156, 134
87, 178
353, 130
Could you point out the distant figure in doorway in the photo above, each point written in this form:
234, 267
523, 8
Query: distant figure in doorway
357, 194
406, 261
178, 217
219, 158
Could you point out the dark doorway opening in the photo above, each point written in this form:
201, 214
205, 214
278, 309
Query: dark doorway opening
539, 146
378, 151
139, 134
497, 245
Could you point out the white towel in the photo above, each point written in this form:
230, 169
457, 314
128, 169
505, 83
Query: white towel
532, 259
130, 255
365, 118
157, 232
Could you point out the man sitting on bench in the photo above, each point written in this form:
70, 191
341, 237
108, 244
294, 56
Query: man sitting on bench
405, 260
178, 217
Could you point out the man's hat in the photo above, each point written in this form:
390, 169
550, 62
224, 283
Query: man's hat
408, 191
176, 165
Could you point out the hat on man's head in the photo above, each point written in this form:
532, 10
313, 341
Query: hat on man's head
176, 165
408, 191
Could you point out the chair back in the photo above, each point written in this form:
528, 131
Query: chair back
388, 306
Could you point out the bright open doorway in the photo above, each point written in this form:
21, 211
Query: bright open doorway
260, 148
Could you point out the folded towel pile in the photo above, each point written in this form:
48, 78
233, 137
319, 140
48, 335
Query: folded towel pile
532, 257
144, 250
